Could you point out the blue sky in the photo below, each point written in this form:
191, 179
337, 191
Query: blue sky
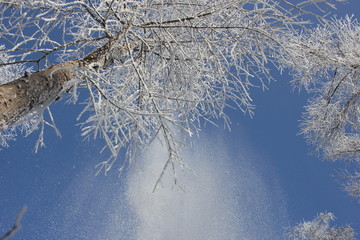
249, 183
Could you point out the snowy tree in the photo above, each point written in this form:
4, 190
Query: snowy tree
319, 229
326, 62
151, 68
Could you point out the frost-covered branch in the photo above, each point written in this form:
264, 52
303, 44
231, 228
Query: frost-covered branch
328, 62
319, 229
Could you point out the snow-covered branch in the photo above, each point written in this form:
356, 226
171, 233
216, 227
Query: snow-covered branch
319, 229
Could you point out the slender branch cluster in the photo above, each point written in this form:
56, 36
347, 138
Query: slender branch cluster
319, 229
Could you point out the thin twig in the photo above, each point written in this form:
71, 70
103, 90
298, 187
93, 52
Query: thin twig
17, 226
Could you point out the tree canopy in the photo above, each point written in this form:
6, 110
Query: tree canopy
150, 67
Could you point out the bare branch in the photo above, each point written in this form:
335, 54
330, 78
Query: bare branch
17, 225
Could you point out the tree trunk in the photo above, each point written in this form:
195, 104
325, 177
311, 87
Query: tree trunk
21, 96
40, 89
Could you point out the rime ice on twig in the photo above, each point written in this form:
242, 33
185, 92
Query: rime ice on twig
319, 229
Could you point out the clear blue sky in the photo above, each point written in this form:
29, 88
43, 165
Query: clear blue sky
250, 183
